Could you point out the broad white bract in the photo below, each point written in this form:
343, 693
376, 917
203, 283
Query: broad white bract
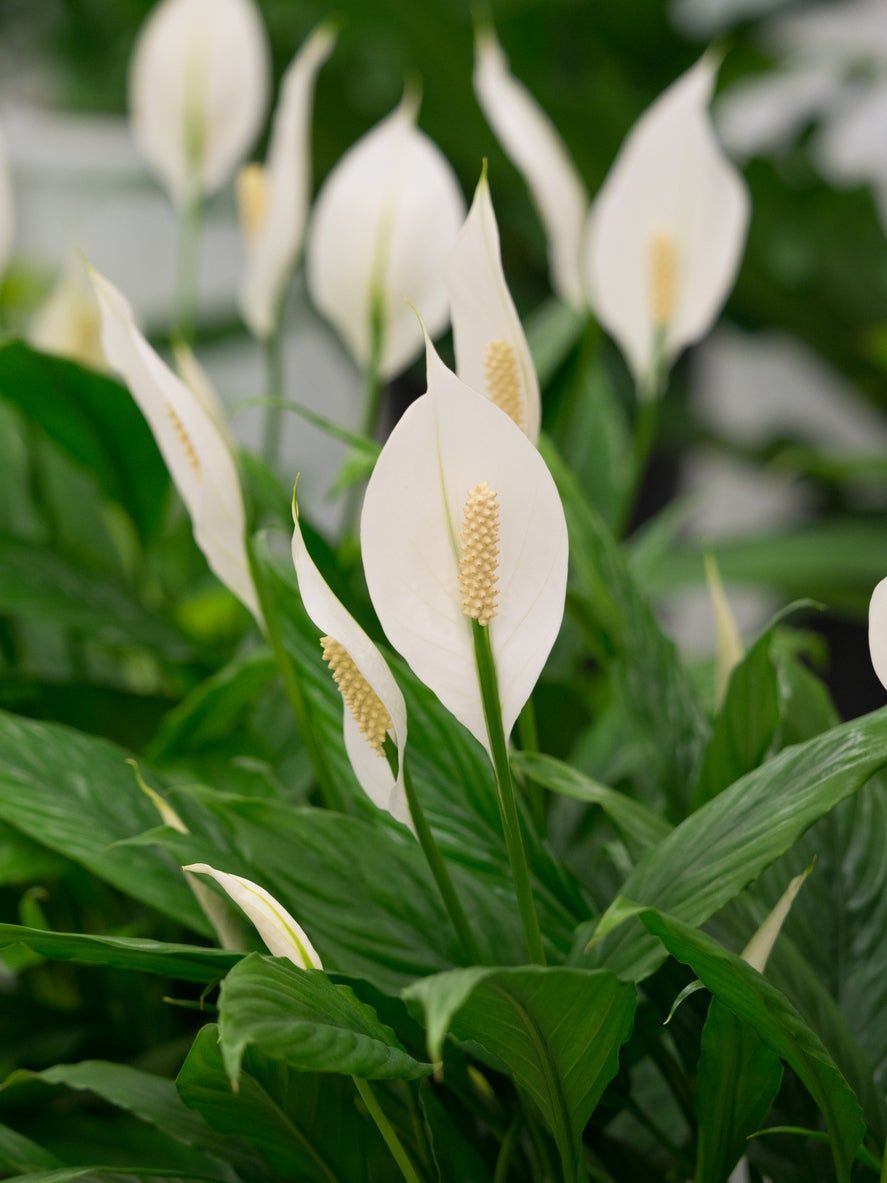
283, 935
382, 230
492, 355
373, 703
666, 232
878, 631
274, 198
451, 443
67, 322
198, 91
530, 140
197, 453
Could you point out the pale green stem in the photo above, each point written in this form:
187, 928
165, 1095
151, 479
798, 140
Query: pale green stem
190, 216
373, 391
385, 1128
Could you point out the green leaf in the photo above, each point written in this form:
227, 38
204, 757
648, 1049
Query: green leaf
189, 963
556, 1031
452, 1145
751, 998
717, 851
95, 421
552, 330
18, 1153
75, 795
737, 1078
303, 1123
639, 826
301, 1018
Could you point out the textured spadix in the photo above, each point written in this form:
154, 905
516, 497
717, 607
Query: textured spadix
447, 444
372, 704
198, 90
492, 355
283, 935
666, 232
195, 448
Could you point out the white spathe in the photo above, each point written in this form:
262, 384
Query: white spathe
283, 935
334, 620
197, 453
67, 323
449, 441
878, 631
757, 952
382, 229
198, 91
491, 346
671, 185
530, 140
273, 234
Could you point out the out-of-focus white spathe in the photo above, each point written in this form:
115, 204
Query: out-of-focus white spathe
198, 91
67, 323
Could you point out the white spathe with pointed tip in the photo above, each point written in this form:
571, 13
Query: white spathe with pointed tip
492, 354
757, 952
878, 631
335, 621
198, 91
530, 140
67, 323
447, 445
196, 451
666, 232
273, 234
282, 934
382, 229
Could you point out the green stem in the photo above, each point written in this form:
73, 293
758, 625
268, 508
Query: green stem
385, 1128
329, 790
187, 267
439, 869
506, 1151
514, 843
372, 405
273, 410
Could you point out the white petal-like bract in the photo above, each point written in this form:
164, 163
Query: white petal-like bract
67, 322
198, 91
338, 625
283, 935
492, 354
274, 232
196, 452
449, 442
757, 951
666, 232
878, 631
530, 140
383, 227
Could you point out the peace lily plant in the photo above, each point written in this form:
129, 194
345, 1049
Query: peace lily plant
450, 865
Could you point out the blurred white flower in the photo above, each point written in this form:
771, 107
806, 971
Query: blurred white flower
878, 631
67, 323
667, 229
197, 454
282, 934
274, 197
383, 226
462, 522
198, 91
531, 141
492, 354
374, 706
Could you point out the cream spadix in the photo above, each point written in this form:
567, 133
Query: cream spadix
374, 708
666, 232
462, 521
274, 197
197, 452
492, 355
878, 631
282, 934
530, 140
198, 90
382, 229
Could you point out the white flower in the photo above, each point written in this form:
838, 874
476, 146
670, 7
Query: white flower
197, 453
198, 91
537, 151
274, 197
67, 322
374, 705
757, 952
666, 233
462, 521
283, 935
383, 227
492, 355
878, 631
